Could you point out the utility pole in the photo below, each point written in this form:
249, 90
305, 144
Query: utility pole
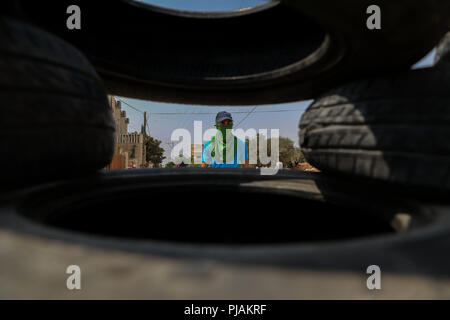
144, 137
144, 126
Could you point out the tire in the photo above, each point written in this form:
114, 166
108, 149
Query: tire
279, 52
104, 225
443, 50
55, 118
393, 129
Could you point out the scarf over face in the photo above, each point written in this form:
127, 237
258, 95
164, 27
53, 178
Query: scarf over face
223, 145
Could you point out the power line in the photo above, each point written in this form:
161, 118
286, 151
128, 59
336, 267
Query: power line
202, 113
186, 113
246, 116
131, 106
184, 120
188, 119
134, 108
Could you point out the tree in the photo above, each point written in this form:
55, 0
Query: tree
301, 157
181, 160
264, 141
170, 164
288, 153
154, 153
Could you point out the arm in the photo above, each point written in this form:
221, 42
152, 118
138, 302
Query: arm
245, 152
206, 159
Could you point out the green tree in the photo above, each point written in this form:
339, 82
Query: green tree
170, 164
257, 140
181, 159
288, 152
301, 157
154, 152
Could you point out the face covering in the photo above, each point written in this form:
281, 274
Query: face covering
223, 144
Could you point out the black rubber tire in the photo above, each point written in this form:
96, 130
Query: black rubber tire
29, 239
443, 50
278, 53
394, 128
331, 211
55, 118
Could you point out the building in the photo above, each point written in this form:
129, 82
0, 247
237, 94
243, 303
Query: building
129, 148
196, 153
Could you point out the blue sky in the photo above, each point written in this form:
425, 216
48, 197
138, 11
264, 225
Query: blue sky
161, 126
206, 5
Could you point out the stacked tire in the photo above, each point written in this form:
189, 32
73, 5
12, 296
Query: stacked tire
394, 128
56, 123
55, 119
443, 50
277, 52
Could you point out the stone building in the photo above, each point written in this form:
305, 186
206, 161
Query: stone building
129, 148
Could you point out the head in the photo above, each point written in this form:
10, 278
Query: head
224, 119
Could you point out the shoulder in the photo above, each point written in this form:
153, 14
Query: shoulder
240, 142
206, 145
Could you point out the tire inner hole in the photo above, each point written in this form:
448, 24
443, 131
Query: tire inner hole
209, 214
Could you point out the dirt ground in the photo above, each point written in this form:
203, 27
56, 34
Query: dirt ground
35, 268
305, 166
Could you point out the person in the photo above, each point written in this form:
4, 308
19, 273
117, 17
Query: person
279, 165
225, 150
